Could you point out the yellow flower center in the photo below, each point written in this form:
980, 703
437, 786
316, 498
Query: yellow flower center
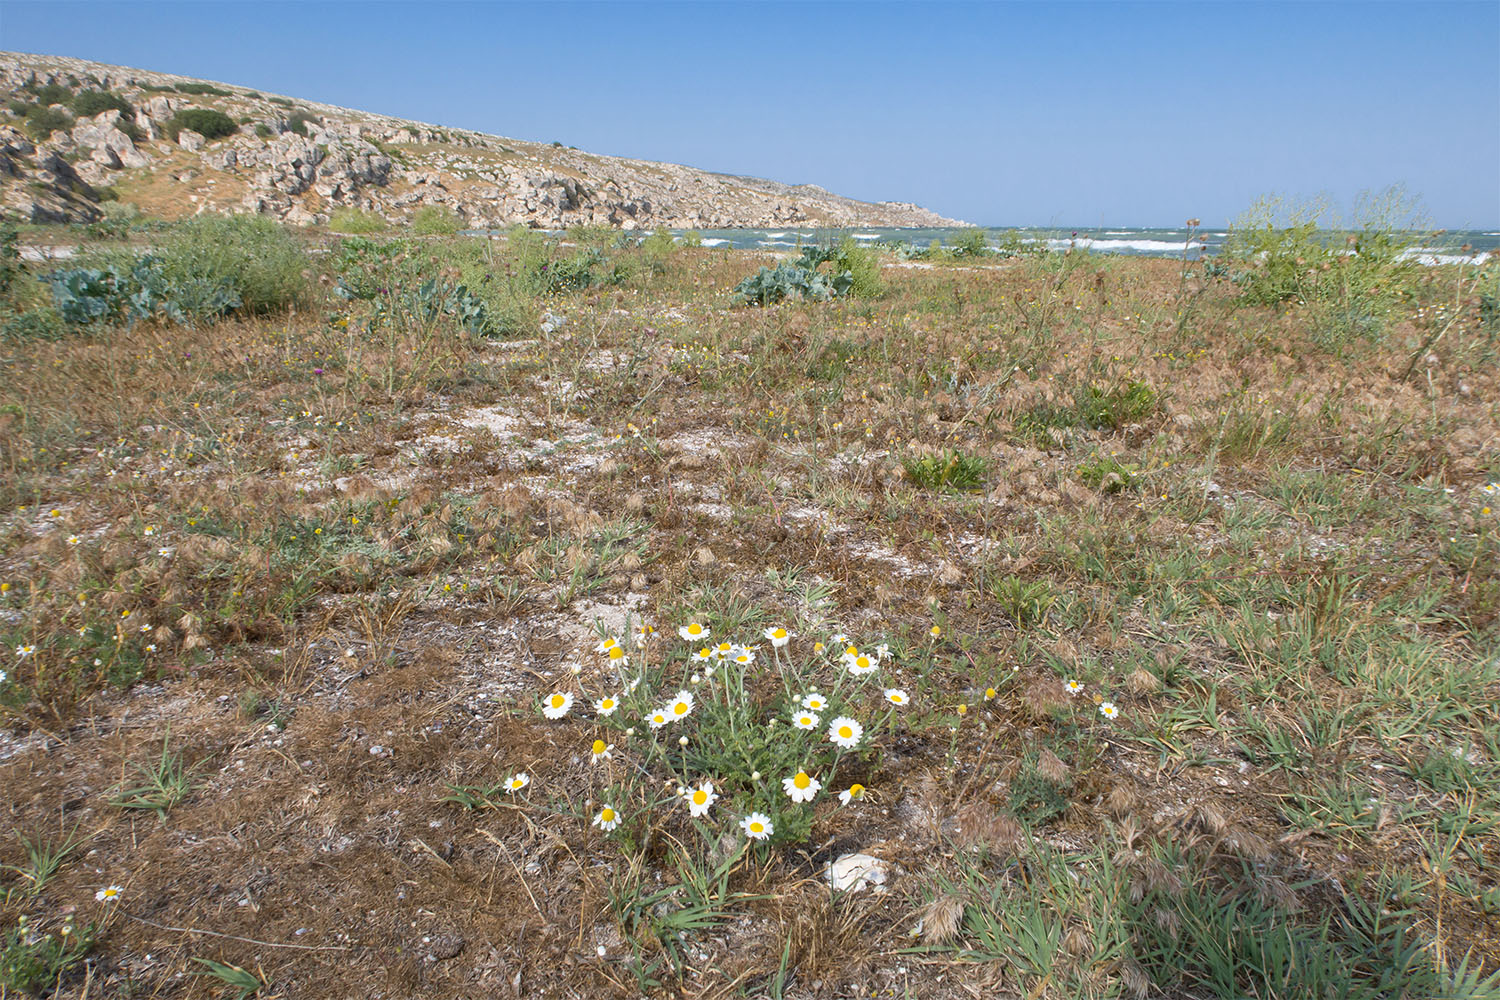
757, 827
852, 651
598, 747
801, 780
845, 732
695, 629
862, 662
607, 704
779, 633
557, 701
700, 797
616, 653
607, 815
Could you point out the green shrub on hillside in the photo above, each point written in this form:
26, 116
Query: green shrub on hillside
201, 89
206, 122
92, 102
436, 220
298, 122
51, 93
42, 121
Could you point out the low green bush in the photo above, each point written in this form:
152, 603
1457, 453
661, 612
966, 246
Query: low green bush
436, 220
970, 243
205, 268
202, 89
261, 260
863, 267
206, 122
42, 121
298, 122
92, 102
356, 222
51, 93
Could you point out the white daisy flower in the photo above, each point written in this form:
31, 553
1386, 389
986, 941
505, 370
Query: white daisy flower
743, 656
896, 696
778, 636
704, 654
860, 665
693, 632
557, 704
518, 781
883, 651
108, 894
845, 732
24, 651
164, 551
838, 639
805, 720
853, 793
724, 650
607, 645
1073, 686
700, 799
815, 702
607, 819
618, 657
1108, 710
681, 706
800, 787
601, 751
757, 826
606, 706
658, 718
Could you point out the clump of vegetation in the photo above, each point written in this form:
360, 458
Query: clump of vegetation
970, 243
356, 222
299, 121
42, 120
948, 470
206, 122
202, 90
93, 102
436, 220
799, 279
33, 961
207, 267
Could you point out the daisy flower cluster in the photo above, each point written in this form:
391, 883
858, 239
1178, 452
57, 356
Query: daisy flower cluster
751, 735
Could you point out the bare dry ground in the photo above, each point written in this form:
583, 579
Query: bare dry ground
336, 572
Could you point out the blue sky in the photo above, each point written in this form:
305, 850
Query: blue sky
1068, 114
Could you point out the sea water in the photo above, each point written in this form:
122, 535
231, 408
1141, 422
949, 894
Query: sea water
1441, 249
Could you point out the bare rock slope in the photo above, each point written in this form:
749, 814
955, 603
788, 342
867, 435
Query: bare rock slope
300, 160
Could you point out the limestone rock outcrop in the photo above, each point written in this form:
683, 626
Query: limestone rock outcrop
301, 161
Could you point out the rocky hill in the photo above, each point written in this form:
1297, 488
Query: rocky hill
77, 132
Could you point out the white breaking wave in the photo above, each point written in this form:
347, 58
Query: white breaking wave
776, 236
1434, 259
1123, 244
711, 242
866, 236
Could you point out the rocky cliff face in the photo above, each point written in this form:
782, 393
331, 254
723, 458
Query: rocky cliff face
300, 161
